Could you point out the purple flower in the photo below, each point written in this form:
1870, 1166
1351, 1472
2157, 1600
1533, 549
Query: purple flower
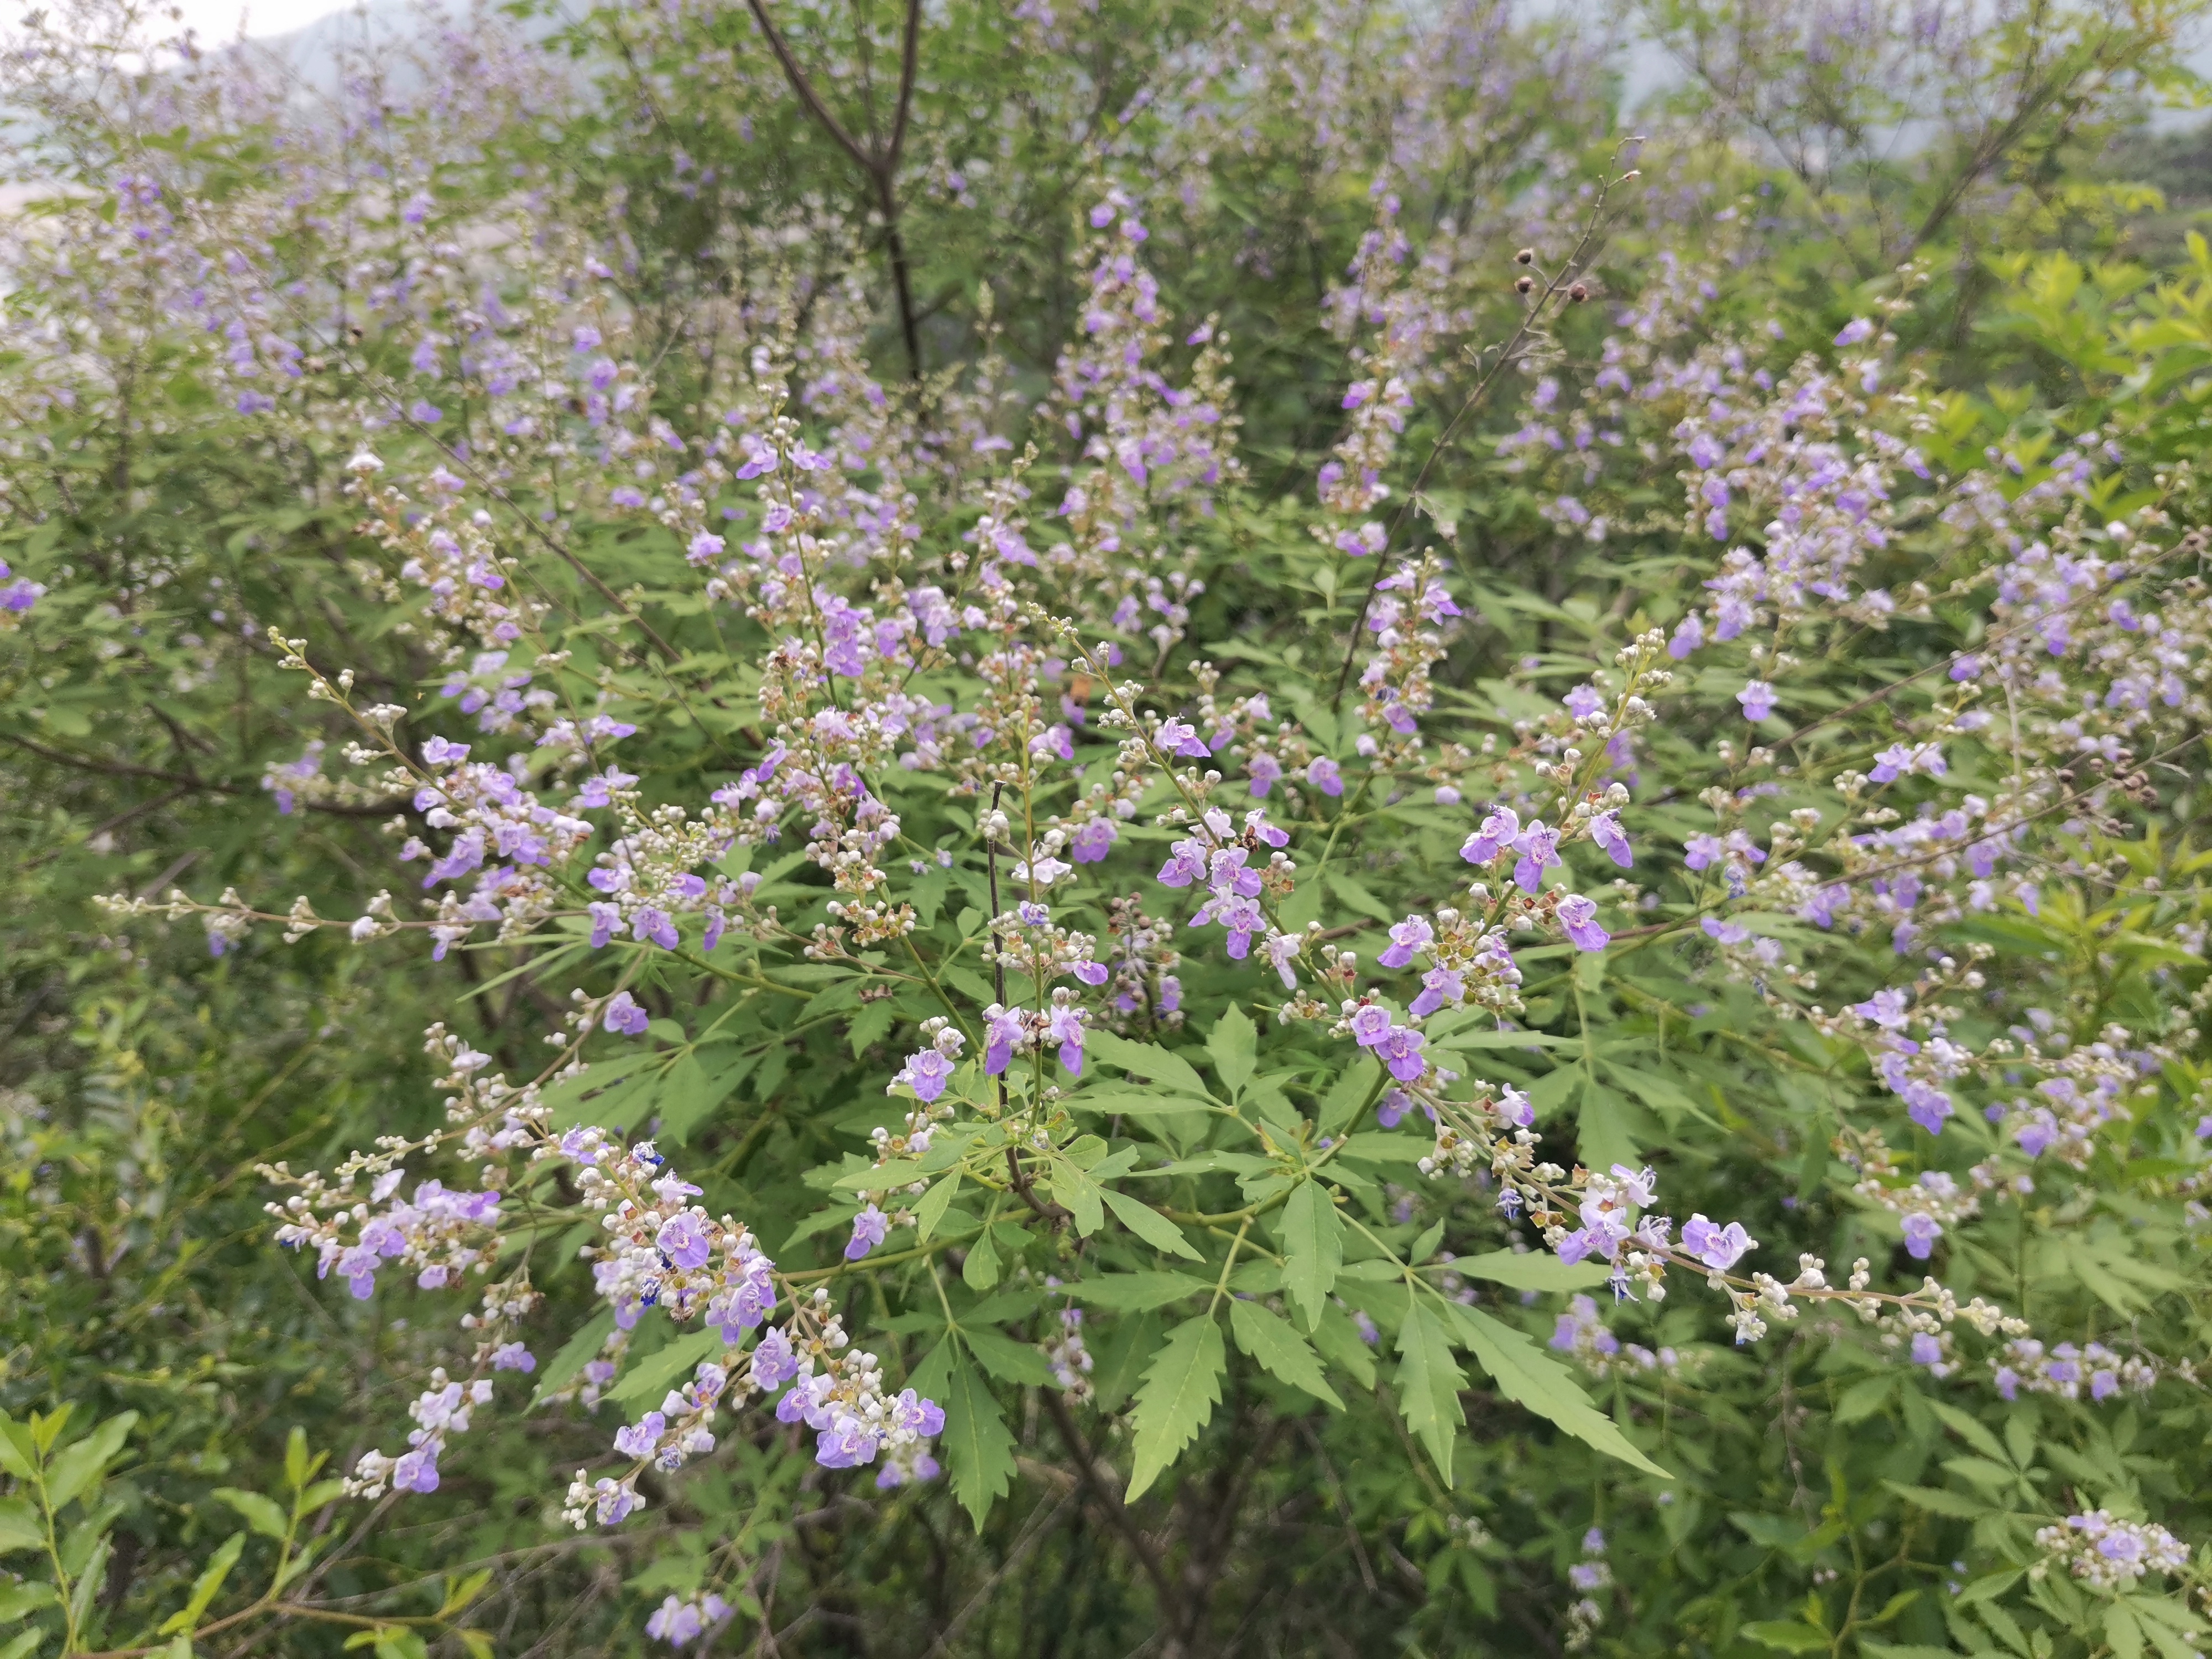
1758, 700
1854, 331
1689, 635
1499, 831
1180, 737
417, 1470
1065, 1027
1539, 848
1090, 842
1921, 1232
1370, 1025
868, 1230
1611, 839
513, 1357
642, 1437
926, 1073
1006, 1027
1716, 1246
683, 1242
624, 1015
1408, 936
1579, 916
1584, 702
1439, 986
1400, 1050
1187, 864
1264, 769
774, 1362
1325, 776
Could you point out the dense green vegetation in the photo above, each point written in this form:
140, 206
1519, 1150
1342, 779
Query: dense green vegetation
812, 526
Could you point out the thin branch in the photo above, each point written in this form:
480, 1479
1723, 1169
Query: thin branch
1117, 1512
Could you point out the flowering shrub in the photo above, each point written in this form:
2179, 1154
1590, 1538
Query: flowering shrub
998, 922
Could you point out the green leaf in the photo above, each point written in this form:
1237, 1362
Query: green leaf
575, 1353
1234, 1046
1970, 1430
1864, 1398
1386, 1146
1351, 1091
1147, 1059
204, 1588
1938, 1502
1075, 1189
566, 1098
1277, 1345
1149, 1225
81, 1464
299, 1467
459, 1592
1135, 1293
21, 1528
1359, 898
2122, 1632
979, 1450
1478, 1038
1121, 1100
934, 1202
1528, 1376
1005, 1359
25, 1642
16, 1600
261, 1514
1788, 1638
1181, 1387
1339, 1338
1607, 1127
981, 1269
1313, 1249
689, 1092
1428, 1383
1531, 1270
17, 1456
655, 1374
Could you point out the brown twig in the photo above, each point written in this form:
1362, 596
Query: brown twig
880, 164
1109, 1500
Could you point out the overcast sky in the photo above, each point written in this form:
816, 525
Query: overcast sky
217, 19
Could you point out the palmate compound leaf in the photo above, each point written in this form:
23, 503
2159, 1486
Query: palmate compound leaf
1528, 1376
1428, 1382
1181, 1387
1313, 1250
1272, 1341
978, 1448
